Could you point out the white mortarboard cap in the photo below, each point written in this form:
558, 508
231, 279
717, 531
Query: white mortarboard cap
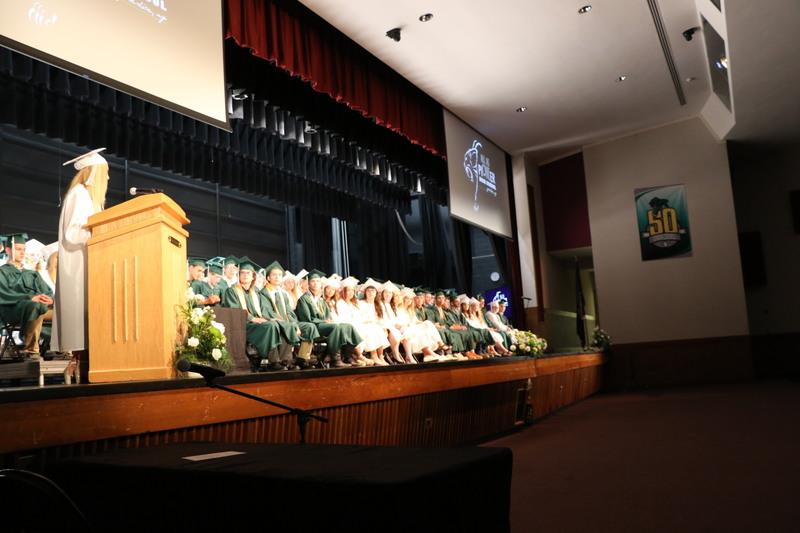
33, 247
49, 250
88, 159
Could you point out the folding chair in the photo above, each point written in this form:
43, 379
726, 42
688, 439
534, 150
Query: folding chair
7, 341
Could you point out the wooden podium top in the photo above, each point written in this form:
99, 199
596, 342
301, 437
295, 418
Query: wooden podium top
140, 209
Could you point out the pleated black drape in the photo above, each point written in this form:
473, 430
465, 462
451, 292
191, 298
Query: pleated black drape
382, 246
316, 238
462, 254
500, 249
438, 262
267, 153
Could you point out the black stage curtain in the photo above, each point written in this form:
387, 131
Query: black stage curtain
316, 238
462, 254
268, 153
436, 249
382, 246
500, 249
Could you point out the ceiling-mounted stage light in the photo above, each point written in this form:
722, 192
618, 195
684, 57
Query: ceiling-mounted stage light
239, 94
394, 34
722, 63
584, 10
426, 17
522, 109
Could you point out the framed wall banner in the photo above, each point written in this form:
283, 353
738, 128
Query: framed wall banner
663, 222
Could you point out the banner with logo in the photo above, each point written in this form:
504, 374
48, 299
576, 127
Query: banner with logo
663, 217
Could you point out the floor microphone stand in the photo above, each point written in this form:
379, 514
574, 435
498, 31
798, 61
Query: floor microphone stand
303, 417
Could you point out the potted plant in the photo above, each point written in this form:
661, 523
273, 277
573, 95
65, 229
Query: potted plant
202, 338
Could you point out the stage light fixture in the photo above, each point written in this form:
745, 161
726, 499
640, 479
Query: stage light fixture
521, 109
239, 94
584, 9
426, 17
394, 34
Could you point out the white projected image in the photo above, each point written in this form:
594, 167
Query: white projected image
478, 178
166, 51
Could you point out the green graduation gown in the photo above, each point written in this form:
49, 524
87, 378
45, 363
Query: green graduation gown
281, 308
265, 336
337, 335
17, 287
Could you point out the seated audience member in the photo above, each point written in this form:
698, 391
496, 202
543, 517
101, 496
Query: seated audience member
387, 317
292, 289
369, 314
501, 312
474, 319
459, 339
330, 295
312, 308
374, 339
262, 333
197, 270
493, 317
50, 265
25, 298
278, 308
230, 270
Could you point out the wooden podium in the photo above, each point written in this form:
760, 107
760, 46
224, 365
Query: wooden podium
136, 279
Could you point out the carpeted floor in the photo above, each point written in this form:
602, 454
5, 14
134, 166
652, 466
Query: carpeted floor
717, 459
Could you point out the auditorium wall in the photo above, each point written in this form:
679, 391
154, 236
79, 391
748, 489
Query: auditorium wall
766, 188
695, 305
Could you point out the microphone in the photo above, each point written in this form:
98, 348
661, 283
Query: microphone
140, 190
208, 372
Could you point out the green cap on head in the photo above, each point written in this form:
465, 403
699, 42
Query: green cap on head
196, 261
245, 263
315, 274
16, 238
232, 260
272, 266
215, 264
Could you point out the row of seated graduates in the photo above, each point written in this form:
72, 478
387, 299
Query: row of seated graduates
312, 320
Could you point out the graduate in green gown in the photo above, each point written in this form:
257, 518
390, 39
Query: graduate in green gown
312, 308
277, 307
262, 333
25, 298
197, 270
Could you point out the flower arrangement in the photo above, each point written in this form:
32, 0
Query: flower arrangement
202, 338
527, 343
601, 340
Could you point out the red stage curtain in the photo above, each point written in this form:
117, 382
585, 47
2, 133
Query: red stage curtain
297, 40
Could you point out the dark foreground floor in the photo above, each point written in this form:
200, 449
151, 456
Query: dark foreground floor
717, 458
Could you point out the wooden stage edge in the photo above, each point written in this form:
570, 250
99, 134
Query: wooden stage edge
439, 404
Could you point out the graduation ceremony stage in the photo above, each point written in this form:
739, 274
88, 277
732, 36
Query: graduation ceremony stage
433, 408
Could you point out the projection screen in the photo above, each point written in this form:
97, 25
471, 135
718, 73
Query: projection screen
169, 52
478, 178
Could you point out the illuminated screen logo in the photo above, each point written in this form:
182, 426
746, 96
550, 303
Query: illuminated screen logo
479, 171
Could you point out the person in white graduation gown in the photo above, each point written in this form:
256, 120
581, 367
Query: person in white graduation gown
86, 196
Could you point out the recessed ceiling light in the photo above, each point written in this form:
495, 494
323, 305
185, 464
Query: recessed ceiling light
521, 109
584, 9
426, 17
622, 78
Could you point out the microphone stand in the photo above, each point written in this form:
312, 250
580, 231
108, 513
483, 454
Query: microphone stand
303, 416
